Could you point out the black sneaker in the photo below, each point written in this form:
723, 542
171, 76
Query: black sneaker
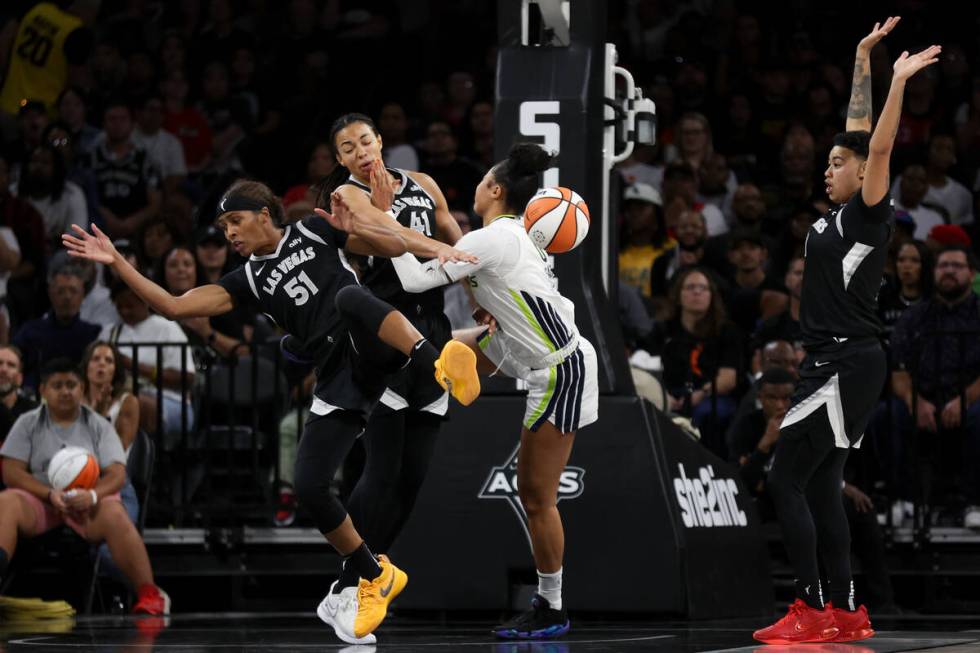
540, 622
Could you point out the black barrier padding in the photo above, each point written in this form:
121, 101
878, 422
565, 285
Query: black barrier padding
462, 552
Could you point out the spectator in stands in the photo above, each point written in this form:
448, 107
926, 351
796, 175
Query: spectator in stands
61, 333
44, 183
680, 182
912, 188
753, 436
105, 392
186, 122
749, 211
176, 375
58, 136
791, 241
228, 118
480, 146
911, 284
785, 325
460, 93
13, 403
211, 252
456, 176
164, 150
945, 194
691, 237
128, 182
717, 184
154, 239
393, 125
32, 119
694, 146
644, 238
179, 272
936, 362
702, 353
967, 120
754, 295
72, 109
27, 225
299, 199
31, 506
775, 353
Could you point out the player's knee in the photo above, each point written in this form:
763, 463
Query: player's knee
535, 501
110, 520
349, 298
9, 507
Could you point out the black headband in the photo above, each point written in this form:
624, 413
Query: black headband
239, 203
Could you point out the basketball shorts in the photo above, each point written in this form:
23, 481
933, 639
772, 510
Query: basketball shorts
412, 387
842, 388
567, 394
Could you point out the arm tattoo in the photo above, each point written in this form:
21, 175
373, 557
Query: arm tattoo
859, 107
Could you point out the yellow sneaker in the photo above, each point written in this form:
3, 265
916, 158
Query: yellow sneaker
373, 596
456, 372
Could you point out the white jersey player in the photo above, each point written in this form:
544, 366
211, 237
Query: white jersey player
530, 335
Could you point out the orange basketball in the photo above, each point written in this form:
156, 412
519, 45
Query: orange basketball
73, 468
556, 219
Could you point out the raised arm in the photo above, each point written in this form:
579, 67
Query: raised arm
876, 181
859, 108
205, 301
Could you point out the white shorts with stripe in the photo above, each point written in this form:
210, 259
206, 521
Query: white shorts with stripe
567, 394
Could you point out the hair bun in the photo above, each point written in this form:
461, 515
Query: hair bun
528, 159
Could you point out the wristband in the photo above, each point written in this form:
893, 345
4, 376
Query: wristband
95, 497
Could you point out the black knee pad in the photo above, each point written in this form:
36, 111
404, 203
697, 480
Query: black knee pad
356, 303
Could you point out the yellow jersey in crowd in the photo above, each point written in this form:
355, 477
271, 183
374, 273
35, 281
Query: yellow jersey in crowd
636, 264
38, 67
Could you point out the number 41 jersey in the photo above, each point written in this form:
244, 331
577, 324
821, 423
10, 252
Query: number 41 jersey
296, 285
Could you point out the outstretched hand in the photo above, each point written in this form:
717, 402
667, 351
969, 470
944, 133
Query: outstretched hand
908, 65
340, 216
447, 254
94, 247
879, 32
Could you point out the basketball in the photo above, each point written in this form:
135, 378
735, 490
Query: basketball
73, 468
557, 219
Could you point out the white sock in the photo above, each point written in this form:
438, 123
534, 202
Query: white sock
549, 587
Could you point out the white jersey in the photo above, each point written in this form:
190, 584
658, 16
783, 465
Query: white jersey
514, 283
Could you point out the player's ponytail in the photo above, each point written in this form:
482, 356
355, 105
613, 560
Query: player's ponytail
255, 194
518, 174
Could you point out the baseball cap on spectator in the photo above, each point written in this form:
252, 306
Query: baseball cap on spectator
209, 234
643, 193
950, 234
743, 235
905, 220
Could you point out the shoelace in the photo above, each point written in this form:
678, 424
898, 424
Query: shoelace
364, 595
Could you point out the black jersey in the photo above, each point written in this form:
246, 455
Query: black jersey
296, 284
416, 209
845, 255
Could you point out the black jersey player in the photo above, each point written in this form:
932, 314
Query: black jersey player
844, 370
298, 274
401, 434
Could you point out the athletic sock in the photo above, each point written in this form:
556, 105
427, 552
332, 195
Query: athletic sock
362, 562
842, 595
549, 588
810, 593
348, 577
424, 354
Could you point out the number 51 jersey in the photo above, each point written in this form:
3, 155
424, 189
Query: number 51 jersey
296, 285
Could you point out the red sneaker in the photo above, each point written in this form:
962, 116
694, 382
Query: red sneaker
152, 600
801, 624
853, 626
286, 508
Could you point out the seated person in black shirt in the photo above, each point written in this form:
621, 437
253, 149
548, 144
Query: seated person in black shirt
775, 354
754, 296
786, 324
911, 283
702, 353
12, 403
